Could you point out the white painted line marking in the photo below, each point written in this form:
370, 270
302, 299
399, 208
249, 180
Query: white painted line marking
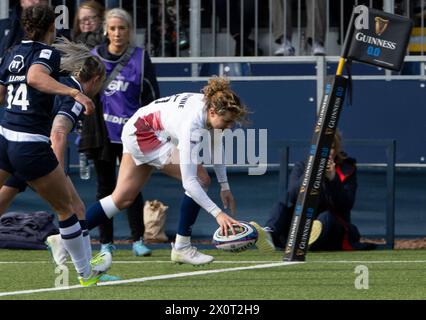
162, 277
229, 261
147, 261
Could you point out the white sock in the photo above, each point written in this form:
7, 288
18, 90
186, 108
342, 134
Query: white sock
182, 242
72, 238
87, 244
109, 206
86, 239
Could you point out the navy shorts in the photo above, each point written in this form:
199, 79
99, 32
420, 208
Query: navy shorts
16, 183
27, 160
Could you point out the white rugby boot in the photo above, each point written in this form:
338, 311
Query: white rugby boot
56, 247
190, 255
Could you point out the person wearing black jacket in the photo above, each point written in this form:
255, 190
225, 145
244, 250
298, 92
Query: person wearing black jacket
337, 199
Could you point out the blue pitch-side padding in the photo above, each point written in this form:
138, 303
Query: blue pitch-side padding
287, 109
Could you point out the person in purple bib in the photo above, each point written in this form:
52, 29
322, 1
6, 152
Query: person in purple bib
131, 83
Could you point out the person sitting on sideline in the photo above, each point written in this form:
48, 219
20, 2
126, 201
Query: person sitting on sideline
332, 228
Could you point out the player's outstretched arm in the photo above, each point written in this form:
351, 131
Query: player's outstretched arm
39, 78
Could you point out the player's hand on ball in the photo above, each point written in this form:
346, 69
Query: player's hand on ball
225, 222
228, 201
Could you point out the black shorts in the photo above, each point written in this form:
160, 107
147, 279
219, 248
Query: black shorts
27, 160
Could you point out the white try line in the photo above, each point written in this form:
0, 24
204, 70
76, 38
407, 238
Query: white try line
367, 261
230, 261
148, 262
153, 278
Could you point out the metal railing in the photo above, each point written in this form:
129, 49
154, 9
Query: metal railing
205, 27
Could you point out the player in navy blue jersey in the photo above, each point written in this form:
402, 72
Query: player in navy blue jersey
88, 75
67, 113
28, 85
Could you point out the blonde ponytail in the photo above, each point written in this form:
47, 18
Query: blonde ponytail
77, 59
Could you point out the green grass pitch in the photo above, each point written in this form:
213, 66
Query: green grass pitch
397, 274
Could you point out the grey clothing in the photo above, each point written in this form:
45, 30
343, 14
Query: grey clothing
282, 19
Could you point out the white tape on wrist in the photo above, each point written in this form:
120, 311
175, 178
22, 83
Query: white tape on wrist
215, 212
224, 186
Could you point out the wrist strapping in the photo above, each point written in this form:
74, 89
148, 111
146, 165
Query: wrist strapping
224, 186
215, 212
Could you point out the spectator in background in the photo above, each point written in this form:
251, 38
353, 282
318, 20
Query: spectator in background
332, 229
338, 7
87, 27
11, 31
315, 29
243, 45
134, 86
169, 32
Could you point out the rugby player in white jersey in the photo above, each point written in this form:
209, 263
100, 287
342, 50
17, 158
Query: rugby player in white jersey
163, 135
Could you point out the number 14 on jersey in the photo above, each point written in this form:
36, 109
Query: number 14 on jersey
19, 98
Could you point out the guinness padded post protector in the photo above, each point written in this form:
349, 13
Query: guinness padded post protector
374, 37
309, 193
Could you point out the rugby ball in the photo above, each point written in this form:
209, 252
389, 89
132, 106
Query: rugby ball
245, 237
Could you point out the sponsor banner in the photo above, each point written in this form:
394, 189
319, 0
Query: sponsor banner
377, 38
309, 194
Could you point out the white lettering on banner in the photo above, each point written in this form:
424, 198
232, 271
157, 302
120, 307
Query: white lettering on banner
115, 119
293, 231
116, 85
305, 234
333, 117
376, 41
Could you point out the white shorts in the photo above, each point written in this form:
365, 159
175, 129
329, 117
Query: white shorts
158, 157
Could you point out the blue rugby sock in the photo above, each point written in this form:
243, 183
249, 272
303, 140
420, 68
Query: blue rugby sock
189, 210
101, 211
95, 215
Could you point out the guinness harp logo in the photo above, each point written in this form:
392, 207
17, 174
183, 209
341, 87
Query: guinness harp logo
381, 25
